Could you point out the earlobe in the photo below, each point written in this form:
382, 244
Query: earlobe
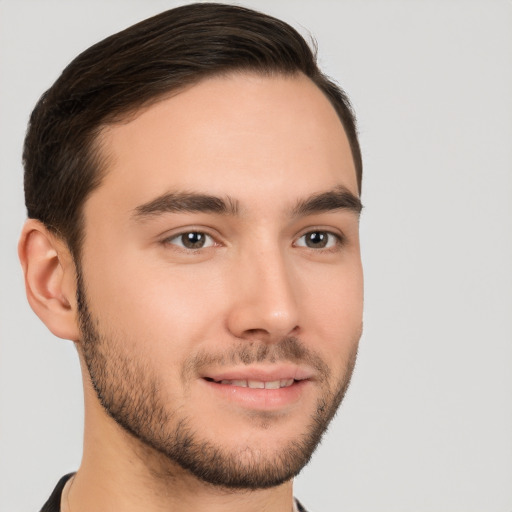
50, 279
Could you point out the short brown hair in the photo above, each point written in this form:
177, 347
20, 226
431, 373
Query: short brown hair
137, 66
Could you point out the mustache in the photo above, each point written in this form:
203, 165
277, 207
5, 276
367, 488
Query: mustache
288, 349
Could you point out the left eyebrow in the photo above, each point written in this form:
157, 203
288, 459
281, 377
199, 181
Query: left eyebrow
339, 198
186, 202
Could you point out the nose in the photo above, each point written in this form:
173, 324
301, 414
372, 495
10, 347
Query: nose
264, 304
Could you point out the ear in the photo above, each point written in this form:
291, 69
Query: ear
50, 279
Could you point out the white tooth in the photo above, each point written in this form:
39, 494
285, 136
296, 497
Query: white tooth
275, 384
286, 383
239, 383
225, 382
256, 384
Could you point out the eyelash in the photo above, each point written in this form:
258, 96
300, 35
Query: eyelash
334, 241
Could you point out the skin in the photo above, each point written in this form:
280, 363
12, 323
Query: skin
267, 144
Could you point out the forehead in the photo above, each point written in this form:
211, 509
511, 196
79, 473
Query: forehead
242, 135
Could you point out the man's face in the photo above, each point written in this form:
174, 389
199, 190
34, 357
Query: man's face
221, 281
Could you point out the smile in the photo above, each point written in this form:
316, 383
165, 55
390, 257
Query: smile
257, 384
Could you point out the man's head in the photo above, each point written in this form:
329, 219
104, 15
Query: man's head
194, 182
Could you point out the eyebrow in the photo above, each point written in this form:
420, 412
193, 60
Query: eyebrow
339, 198
176, 202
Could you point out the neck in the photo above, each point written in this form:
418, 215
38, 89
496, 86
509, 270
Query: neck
88, 492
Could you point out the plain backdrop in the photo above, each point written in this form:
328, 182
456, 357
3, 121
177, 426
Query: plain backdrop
427, 423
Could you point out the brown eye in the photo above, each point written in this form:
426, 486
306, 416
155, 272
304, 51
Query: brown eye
192, 240
318, 240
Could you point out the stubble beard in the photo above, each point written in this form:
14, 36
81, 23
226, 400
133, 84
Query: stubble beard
130, 393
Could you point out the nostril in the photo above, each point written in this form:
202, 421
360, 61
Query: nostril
256, 332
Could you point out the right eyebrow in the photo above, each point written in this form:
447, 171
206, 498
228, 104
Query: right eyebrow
175, 202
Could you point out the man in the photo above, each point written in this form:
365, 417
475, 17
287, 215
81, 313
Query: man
192, 186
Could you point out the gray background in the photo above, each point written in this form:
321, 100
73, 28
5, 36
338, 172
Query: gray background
427, 423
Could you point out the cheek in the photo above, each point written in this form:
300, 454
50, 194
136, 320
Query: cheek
335, 311
160, 307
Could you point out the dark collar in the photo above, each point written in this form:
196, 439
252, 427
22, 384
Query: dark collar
53, 503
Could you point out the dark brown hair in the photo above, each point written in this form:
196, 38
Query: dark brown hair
140, 65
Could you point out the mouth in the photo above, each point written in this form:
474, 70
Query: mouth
264, 388
255, 384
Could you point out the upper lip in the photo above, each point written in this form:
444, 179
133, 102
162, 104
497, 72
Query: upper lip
268, 373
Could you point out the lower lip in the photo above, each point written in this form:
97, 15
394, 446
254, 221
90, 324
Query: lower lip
259, 399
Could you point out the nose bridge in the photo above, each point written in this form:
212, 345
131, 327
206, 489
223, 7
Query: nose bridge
266, 301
